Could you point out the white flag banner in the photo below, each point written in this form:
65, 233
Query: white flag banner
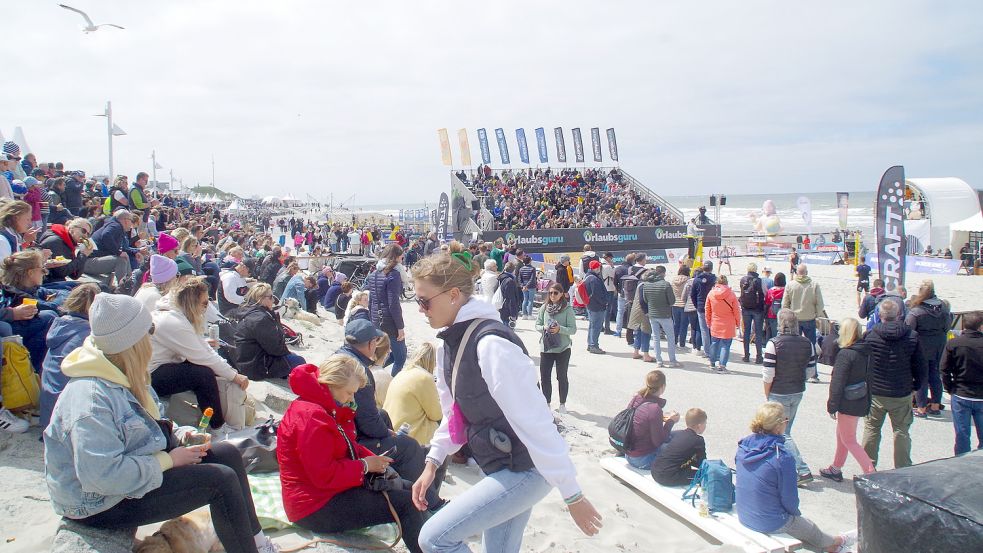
118, 131
21, 141
805, 208
156, 165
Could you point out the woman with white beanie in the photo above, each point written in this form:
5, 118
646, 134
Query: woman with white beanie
112, 463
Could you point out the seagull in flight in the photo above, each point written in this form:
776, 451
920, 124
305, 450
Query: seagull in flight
89, 26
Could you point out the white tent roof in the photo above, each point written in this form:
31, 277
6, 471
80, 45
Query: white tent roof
974, 223
950, 201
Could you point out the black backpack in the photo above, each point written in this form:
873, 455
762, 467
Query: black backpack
620, 429
752, 296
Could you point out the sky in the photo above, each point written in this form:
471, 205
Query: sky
333, 99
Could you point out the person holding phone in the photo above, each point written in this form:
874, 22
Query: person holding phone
323, 468
112, 463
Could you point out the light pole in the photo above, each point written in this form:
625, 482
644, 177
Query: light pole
111, 131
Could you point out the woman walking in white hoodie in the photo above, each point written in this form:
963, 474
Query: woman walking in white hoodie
488, 394
184, 361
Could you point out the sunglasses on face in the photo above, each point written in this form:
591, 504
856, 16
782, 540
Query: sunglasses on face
425, 302
555, 293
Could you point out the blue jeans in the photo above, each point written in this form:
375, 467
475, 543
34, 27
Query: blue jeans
791, 404
932, 384
619, 325
679, 322
808, 329
295, 360
397, 356
612, 309
528, 301
704, 329
595, 324
665, 325
645, 461
694, 326
641, 342
772, 329
753, 318
719, 350
498, 507
34, 332
965, 412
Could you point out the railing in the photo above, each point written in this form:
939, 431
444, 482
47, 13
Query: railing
647, 193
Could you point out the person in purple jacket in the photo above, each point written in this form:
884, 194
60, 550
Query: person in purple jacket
651, 426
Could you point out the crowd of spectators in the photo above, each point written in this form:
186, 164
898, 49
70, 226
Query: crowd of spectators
566, 198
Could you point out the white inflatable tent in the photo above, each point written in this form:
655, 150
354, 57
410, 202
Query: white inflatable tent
952, 207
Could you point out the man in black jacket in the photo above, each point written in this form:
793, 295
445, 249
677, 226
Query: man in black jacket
962, 376
897, 369
112, 257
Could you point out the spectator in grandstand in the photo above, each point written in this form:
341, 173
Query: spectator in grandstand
528, 283
341, 302
805, 298
15, 227
331, 294
358, 308
767, 496
74, 185
65, 335
683, 452
235, 285
271, 265
113, 250
26, 308
163, 275
723, 318
297, 288
703, 283
386, 287
260, 346
63, 241
281, 280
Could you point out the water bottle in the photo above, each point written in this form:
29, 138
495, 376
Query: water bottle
704, 508
404, 429
213, 332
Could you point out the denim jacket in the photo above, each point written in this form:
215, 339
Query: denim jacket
102, 446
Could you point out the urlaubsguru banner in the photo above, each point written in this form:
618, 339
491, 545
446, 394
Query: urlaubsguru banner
889, 228
561, 145
443, 214
612, 145
544, 156
842, 208
483, 146
578, 145
603, 239
520, 138
503, 146
595, 142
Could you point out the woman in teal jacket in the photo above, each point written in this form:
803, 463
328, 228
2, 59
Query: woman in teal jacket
556, 323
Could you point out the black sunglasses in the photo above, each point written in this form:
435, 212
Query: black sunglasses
425, 302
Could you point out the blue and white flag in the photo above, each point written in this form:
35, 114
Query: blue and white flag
503, 146
520, 137
561, 146
544, 156
578, 145
595, 142
612, 145
483, 146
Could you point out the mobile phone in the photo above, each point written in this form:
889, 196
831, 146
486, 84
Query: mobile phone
388, 452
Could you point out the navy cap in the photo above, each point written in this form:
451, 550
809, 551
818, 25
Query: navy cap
363, 330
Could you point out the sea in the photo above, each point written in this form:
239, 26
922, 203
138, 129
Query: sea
737, 217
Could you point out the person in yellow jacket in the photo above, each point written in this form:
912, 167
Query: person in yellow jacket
412, 396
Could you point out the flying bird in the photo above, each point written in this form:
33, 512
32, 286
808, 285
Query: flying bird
89, 26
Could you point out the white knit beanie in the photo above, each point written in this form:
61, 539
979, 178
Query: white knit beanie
118, 322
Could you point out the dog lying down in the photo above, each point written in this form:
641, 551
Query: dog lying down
292, 310
190, 533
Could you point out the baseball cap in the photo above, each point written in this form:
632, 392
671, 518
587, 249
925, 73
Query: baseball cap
362, 330
594, 265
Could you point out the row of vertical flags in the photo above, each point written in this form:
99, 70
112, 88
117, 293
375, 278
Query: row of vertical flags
542, 148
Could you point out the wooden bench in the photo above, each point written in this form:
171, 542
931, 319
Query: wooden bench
722, 526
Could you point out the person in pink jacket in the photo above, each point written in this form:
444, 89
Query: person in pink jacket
723, 317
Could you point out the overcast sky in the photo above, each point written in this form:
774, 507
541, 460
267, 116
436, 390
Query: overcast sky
346, 97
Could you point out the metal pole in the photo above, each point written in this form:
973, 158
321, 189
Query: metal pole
109, 131
153, 159
213, 170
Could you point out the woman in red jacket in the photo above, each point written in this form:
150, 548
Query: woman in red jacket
322, 466
723, 318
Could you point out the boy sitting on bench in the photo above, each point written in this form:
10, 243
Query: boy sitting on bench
683, 452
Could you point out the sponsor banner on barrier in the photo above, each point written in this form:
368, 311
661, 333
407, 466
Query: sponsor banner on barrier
595, 142
503, 146
620, 238
561, 145
544, 156
924, 265
443, 214
889, 228
520, 138
578, 145
612, 145
483, 146
819, 258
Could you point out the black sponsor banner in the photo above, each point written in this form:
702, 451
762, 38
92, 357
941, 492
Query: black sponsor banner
612, 145
443, 214
595, 142
603, 239
561, 146
578, 145
889, 229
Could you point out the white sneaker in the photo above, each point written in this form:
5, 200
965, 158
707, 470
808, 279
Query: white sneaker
562, 409
268, 546
849, 542
10, 422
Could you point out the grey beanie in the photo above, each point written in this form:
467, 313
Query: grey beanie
118, 322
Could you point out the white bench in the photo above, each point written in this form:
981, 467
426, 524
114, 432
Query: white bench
722, 526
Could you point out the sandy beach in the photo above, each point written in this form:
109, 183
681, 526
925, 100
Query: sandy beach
601, 385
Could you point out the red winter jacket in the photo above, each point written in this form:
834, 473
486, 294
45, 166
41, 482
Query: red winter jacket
315, 463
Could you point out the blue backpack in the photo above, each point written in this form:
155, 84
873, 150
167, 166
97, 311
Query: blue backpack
716, 480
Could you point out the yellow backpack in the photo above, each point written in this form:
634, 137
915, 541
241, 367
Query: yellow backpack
19, 384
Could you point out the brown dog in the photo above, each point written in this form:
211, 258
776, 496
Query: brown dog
190, 533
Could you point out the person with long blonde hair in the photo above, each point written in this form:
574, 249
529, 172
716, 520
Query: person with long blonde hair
183, 360
358, 308
412, 396
111, 463
27, 307
930, 317
849, 399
